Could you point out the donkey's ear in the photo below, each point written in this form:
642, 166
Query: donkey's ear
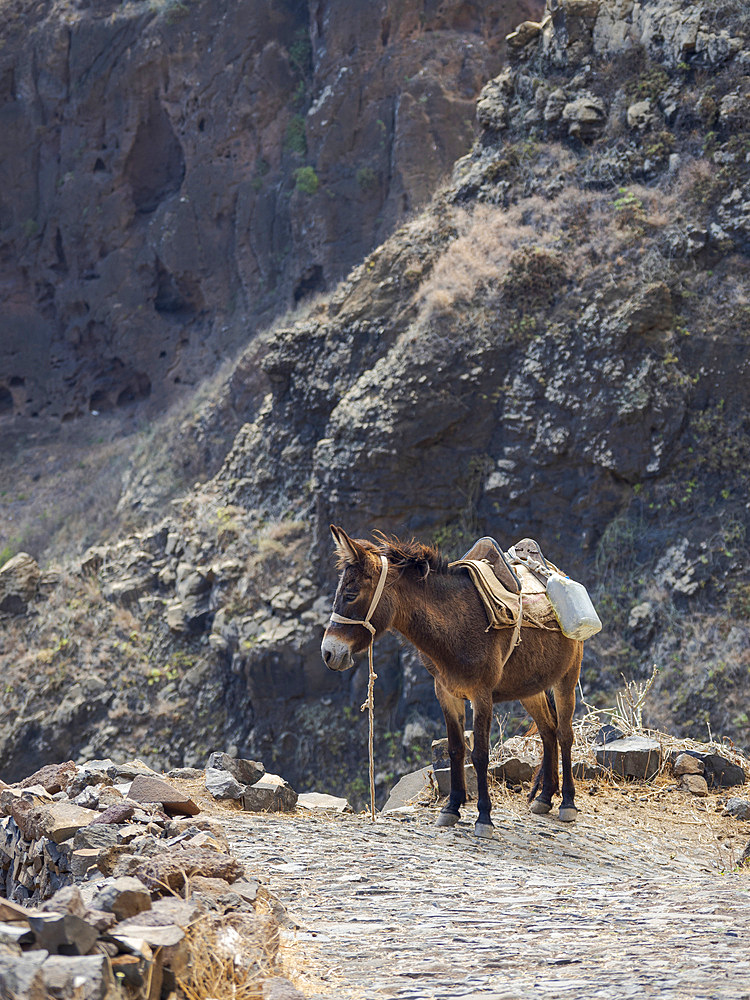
349, 552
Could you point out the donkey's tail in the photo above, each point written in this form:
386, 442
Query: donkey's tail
544, 714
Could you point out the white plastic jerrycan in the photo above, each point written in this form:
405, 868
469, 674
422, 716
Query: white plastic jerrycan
572, 606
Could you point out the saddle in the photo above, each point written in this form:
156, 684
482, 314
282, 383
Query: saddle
512, 584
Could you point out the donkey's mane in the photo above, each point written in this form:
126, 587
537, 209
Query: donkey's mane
412, 555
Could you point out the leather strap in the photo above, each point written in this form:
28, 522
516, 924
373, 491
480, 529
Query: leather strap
341, 620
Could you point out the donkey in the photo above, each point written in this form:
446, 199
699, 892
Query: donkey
409, 588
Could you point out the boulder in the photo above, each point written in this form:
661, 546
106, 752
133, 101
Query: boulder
270, 794
15, 936
129, 770
554, 105
146, 788
319, 800
513, 770
28, 797
524, 33
582, 769
12, 912
119, 812
494, 102
185, 773
279, 988
204, 839
222, 784
695, 784
22, 976
85, 978
19, 581
640, 115
739, 808
585, 116
608, 734
170, 870
718, 771
246, 889
84, 778
165, 936
58, 820
83, 861
124, 897
687, 764
631, 757
66, 900
443, 779
98, 835
63, 933
52, 777
164, 911
246, 772
440, 757
407, 788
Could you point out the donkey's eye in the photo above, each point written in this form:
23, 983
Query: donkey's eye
351, 596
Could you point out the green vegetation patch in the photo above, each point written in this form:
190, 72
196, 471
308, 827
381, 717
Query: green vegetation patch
306, 180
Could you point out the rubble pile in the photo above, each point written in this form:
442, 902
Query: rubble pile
106, 867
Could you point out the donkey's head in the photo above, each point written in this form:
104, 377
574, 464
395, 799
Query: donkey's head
361, 599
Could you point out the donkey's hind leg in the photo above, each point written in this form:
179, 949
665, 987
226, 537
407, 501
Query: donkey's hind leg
455, 720
565, 701
542, 711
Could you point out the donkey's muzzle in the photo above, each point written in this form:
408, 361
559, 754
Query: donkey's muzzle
336, 654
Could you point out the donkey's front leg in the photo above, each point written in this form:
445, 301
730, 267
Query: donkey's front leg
480, 756
455, 720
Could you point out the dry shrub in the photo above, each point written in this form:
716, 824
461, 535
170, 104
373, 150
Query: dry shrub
695, 180
282, 548
480, 255
535, 276
230, 956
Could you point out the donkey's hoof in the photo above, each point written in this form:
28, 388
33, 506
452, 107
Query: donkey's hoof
568, 814
540, 808
447, 819
484, 830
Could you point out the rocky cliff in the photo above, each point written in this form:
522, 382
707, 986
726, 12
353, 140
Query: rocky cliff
557, 346
177, 174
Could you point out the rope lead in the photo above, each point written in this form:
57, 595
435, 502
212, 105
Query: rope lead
370, 706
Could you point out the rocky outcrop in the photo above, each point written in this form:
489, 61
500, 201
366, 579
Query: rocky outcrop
19, 581
264, 148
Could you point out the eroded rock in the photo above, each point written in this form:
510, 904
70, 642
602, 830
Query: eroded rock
270, 794
169, 871
632, 757
19, 581
152, 789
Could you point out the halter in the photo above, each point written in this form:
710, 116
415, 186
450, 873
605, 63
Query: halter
341, 620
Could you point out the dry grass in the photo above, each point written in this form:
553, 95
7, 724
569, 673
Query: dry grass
569, 234
230, 957
480, 256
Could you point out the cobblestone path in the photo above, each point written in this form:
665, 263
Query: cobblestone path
400, 909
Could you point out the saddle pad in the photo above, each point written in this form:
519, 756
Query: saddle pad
530, 584
502, 606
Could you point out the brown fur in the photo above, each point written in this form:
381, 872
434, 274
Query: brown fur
438, 609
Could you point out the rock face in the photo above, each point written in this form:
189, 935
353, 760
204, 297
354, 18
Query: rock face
263, 149
19, 580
